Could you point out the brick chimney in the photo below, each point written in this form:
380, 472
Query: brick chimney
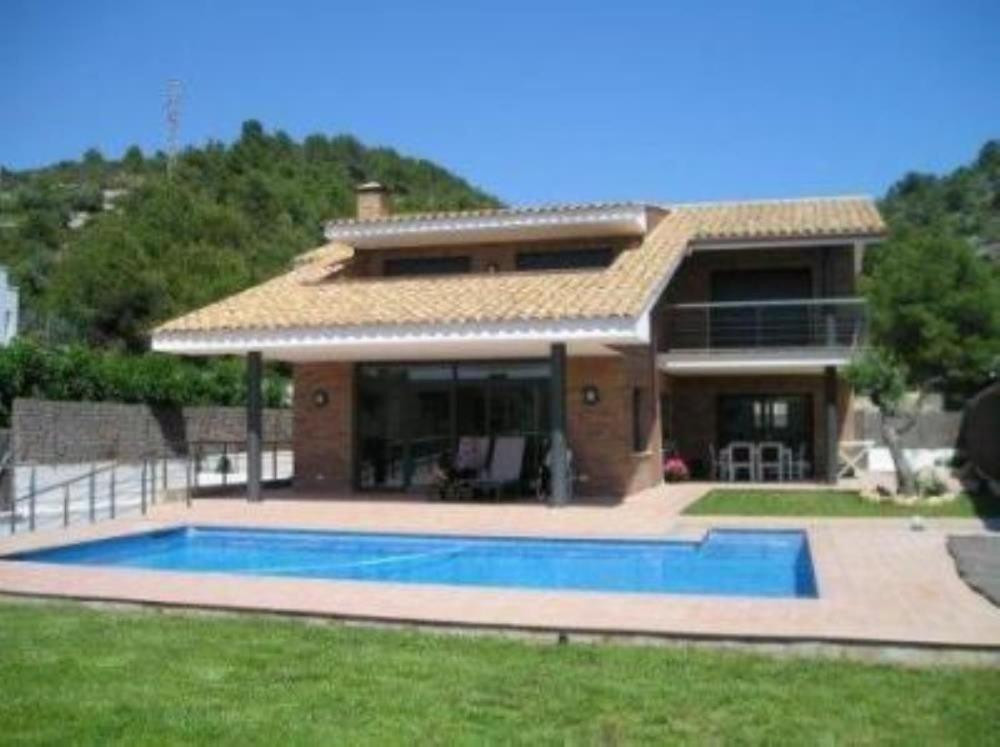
373, 201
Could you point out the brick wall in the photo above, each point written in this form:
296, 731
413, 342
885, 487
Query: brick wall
324, 436
600, 435
693, 421
49, 432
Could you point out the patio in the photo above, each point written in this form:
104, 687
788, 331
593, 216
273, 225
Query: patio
879, 582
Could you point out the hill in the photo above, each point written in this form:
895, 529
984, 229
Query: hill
103, 249
964, 203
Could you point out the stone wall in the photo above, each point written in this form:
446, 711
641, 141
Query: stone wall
933, 430
49, 432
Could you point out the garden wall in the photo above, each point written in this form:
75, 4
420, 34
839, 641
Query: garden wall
50, 432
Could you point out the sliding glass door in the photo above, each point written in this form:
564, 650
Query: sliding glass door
411, 416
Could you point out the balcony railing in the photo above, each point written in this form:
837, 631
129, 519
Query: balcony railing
800, 323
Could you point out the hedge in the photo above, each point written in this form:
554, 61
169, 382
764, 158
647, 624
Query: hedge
28, 369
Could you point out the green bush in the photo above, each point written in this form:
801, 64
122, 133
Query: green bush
28, 369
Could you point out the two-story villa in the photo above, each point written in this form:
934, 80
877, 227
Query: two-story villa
612, 331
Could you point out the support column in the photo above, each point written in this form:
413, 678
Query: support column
560, 487
254, 424
830, 422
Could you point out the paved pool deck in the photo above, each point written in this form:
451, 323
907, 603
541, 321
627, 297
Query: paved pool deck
879, 581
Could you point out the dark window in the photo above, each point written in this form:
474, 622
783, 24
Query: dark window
761, 285
637, 440
402, 266
755, 325
565, 259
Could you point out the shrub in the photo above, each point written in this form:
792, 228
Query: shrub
28, 369
675, 470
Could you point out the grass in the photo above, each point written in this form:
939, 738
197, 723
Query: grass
734, 502
84, 676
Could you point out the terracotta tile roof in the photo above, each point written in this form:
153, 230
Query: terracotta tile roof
800, 218
314, 294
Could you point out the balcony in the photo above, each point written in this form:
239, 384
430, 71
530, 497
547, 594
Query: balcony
794, 335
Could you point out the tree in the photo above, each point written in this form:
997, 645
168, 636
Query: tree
935, 326
133, 160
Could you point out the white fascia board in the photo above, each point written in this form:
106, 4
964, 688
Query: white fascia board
751, 362
626, 220
609, 330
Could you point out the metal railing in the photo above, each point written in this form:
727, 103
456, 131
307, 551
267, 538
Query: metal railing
102, 491
800, 323
222, 464
109, 489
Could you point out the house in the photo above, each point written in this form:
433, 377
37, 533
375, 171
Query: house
611, 329
8, 309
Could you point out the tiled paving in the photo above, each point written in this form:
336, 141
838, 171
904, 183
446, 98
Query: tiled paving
879, 581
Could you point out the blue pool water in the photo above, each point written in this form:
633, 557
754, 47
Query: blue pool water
730, 562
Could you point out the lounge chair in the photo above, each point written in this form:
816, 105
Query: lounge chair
506, 465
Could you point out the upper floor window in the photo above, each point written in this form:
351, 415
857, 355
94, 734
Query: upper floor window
405, 266
565, 259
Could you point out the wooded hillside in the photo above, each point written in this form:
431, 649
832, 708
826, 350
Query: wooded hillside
103, 249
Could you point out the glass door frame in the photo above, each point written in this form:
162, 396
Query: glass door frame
540, 410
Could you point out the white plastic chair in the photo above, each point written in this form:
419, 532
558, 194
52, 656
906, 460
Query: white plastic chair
771, 461
718, 463
798, 465
742, 456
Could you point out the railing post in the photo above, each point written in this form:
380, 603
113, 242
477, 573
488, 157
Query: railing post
13, 507
165, 465
187, 479
91, 496
152, 481
142, 490
831, 326
112, 487
33, 492
225, 464
274, 461
66, 505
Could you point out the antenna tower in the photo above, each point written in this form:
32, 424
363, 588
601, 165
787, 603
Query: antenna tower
173, 117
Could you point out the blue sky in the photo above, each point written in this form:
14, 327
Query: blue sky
533, 101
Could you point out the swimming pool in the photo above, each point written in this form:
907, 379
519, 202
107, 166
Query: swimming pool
727, 562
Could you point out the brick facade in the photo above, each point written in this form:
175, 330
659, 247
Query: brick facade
601, 435
324, 435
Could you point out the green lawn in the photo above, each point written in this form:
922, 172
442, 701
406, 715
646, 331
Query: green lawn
81, 676
735, 502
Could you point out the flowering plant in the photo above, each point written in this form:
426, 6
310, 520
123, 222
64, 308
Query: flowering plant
675, 470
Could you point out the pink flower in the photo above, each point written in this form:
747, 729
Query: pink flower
675, 470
